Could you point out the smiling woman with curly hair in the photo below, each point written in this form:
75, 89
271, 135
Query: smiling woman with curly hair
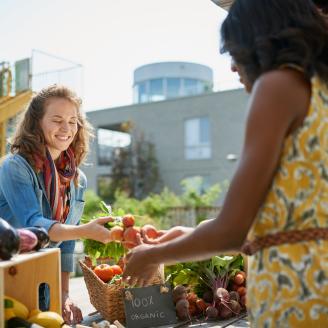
41, 183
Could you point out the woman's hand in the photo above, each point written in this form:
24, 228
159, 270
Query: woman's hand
140, 267
95, 230
71, 313
92, 230
167, 235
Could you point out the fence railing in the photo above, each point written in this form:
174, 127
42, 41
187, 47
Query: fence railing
191, 216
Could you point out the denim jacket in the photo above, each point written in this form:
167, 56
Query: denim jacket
23, 202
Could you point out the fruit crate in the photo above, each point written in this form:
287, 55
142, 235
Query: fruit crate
21, 276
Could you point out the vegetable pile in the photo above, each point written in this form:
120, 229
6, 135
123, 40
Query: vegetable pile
124, 235
123, 232
214, 289
17, 315
111, 274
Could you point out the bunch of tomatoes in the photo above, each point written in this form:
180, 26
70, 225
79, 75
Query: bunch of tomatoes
109, 273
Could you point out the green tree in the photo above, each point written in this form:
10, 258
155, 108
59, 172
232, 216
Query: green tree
134, 170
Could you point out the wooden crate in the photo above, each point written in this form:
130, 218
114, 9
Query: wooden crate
21, 276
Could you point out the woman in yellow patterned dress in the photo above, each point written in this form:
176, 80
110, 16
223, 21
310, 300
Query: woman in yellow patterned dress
278, 197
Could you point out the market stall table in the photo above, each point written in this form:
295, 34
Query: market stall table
79, 294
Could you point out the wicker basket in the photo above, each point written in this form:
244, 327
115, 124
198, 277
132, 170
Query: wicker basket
107, 299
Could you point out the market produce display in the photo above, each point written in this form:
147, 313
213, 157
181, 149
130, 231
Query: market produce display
208, 290
214, 289
124, 234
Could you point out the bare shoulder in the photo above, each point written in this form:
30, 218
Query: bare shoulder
285, 93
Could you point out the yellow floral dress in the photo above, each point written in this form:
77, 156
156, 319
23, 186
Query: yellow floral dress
288, 284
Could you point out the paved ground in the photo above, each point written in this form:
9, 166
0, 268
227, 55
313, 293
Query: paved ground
79, 294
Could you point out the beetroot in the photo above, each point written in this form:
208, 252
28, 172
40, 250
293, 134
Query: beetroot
234, 296
212, 312
222, 295
179, 292
235, 307
224, 311
208, 296
182, 308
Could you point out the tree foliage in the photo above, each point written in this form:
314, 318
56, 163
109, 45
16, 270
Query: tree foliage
134, 170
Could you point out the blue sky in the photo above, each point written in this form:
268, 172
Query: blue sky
111, 38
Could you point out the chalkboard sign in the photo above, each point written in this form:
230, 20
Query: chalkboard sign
149, 306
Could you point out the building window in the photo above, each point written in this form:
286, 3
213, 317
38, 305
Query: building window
156, 90
197, 138
191, 87
172, 87
140, 93
108, 141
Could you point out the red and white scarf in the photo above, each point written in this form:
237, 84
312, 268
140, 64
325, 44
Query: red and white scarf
57, 178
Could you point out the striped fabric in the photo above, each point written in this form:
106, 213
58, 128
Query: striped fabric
57, 177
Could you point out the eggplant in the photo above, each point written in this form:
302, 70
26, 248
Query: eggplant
42, 235
9, 240
28, 240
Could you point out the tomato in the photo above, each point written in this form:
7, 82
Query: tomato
116, 269
104, 272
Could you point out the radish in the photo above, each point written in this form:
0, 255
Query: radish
128, 220
192, 297
150, 231
192, 309
243, 301
239, 279
116, 233
241, 291
130, 237
243, 274
201, 305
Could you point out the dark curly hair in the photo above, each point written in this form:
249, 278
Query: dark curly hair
29, 140
322, 4
262, 35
